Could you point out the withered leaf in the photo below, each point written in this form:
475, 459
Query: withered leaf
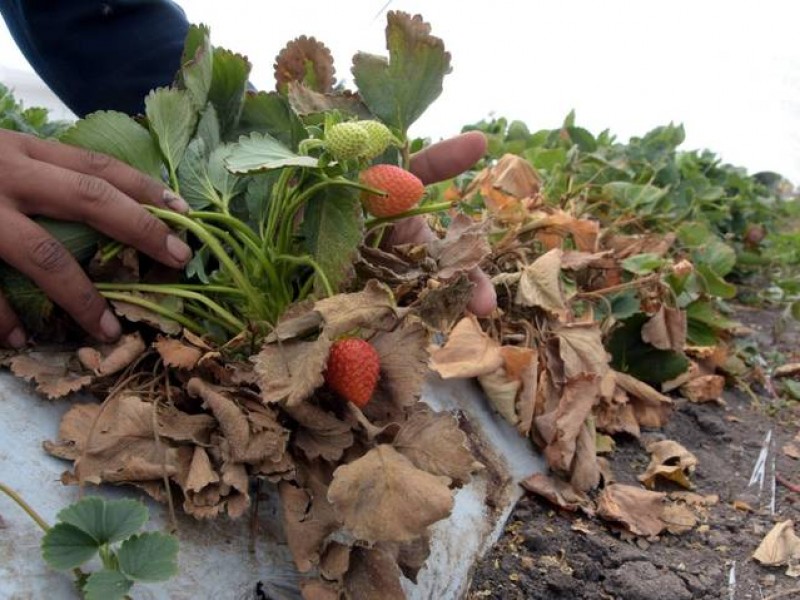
781, 546
434, 442
120, 444
468, 352
403, 356
678, 518
373, 574
251, 436
308, 518
559, 492
585, 470
512, 388
307, 61
560, 428
314, 589
704, 388
289, 372
335, 561
651, 408
412, 556
640, 511
581, 349
177, 353
666, 329
135, 313
439, 308
53, 372
108, 359
382, 496
540, 284
72, 431
671, 461
321, 433
461, 250
553, 228
372, 308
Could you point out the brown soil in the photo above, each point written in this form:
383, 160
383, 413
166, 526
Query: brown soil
546, 553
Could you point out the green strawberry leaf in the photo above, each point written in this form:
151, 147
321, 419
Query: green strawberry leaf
717, 255
106, 585
172, 119
261, 152
270, 113
151, 556
208, 128
399, 90
332, 229
643, 264
65, 547
630, 354
228, 86
118, 135
634, 196
106, 521
196, 187
197, 65
715, 285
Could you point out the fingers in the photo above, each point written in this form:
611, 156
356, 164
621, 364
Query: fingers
11, 333
448, 158
31, 250
484, 296
59, 193
129, 181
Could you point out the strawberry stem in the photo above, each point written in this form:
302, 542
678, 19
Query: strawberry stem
420, 210
156, 308
19, 501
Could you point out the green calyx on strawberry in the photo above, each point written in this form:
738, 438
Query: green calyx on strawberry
353, 370
402, 190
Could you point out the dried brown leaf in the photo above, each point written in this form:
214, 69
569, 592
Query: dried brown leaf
558, 492
678, 518
306, 101
372, 308
666, 329
468, 352
289, 372
461, 250
551, 230
560, 428
373, 574
540, 284
108, 359
581, 350
670, 460
335, 561
434, 442
512, 388
704, 388
441, 307
639, 511
177, 353
781, 546
382, 496
53, 372
308, 517
321, 434
138, 314
314, 589
403, 358
651, 408
305, 60
585, 473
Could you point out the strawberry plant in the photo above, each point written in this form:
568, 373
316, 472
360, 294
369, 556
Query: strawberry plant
93, 527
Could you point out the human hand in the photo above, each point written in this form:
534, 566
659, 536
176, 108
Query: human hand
436, 163
49, 179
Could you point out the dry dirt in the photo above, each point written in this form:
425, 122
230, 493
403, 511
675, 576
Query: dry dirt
547, 553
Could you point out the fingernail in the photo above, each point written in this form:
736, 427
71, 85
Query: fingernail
175, 202
16, 339
109, 325
178, 249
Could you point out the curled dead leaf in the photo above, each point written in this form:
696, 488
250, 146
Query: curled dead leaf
177, 353
705, 388
434, 442
321, 434
382, 496
559, 492
670, 460
666, 329
468, 352
289, 372
781, 546
373, 573
403, 357
639, 511
307, 61
540, 284
55, 373
108, 359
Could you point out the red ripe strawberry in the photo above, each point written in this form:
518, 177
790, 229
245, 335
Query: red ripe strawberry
403, 189
353, 370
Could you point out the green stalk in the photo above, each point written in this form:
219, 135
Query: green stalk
278, 197
420, 210
308, 262
176, 291
198, 287
197, 311
253, 297
230, 240
24, 506
156, 308
233, 223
